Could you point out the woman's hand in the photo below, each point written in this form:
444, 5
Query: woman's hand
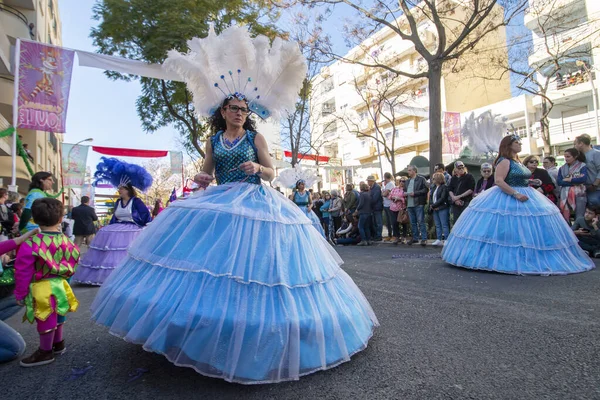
535, 182
250, 168
567, 179
21, 303
26, 236
203, 179
521, 197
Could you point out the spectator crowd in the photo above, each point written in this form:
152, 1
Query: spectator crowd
414, 209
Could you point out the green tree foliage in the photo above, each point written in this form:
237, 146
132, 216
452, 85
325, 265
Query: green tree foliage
145, 30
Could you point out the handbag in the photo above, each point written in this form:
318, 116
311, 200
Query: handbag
402, 217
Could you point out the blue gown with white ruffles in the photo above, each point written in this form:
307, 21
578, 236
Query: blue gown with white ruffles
500, 233
236, 283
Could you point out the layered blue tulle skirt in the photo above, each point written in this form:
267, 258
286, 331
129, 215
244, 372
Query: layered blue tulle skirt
236, 283
499, 233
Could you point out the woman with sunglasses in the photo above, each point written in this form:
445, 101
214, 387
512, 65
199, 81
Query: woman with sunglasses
540, 178
235, 281
513, 228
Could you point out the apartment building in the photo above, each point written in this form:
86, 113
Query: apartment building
568, 31
34, 20
341, 91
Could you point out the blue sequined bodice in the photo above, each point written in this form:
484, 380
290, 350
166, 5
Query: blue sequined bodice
518, 174
227, 160
301, 199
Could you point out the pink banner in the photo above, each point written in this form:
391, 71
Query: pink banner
44, 82
452, 134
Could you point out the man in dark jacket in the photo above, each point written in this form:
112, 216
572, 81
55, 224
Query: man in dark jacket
376, 207
84, 217
462, 186
416, 198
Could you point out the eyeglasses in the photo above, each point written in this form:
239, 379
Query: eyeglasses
234, 109
461, 167
534, 162
486, 170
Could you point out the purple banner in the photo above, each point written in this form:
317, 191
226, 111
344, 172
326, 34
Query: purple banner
44, 82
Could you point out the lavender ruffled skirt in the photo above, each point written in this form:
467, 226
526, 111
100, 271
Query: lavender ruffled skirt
106, 252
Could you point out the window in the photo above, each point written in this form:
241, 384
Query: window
39, 155
328, 107
327, 85
573, 121
49, 165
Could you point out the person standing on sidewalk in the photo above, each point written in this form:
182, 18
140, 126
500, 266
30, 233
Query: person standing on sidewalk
583, 143
387, 202
377, 208
84, 217
461, 189
416, 197
364, 212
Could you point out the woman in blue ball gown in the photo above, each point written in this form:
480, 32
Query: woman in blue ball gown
513, 228
235, 281
303, 199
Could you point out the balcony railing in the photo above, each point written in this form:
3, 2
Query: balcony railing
572, 128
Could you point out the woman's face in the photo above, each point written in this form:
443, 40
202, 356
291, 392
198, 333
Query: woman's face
327, 197
47, 183
532, 164
235, 113
486, 172
301, 187
569, 158
123, 192
516, 146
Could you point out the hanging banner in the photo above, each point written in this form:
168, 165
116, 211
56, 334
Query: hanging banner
452, 135
89, 191
44, 78
176, 162
336, 176
74, 160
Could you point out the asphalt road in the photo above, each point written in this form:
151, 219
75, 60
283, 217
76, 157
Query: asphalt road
446, 333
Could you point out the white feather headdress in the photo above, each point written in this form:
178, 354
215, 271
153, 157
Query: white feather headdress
235, 65
290, 177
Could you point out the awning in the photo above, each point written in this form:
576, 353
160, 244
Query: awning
121, 152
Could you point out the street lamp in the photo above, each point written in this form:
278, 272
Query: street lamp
582, 64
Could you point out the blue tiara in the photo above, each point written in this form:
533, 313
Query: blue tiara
236, 91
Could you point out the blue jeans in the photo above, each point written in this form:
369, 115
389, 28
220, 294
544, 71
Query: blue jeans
417, 221
442, 223
364, 226
12, 344
377, 227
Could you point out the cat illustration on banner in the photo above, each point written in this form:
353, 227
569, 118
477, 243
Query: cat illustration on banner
48, 68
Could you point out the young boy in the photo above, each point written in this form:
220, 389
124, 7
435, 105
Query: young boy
43, 265
586, 230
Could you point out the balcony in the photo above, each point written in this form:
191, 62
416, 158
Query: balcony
541, 9
573, 43
14, 23
565, 132
26, 4
5, 54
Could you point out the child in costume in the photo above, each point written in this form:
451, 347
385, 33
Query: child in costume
43, 266
131, 215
